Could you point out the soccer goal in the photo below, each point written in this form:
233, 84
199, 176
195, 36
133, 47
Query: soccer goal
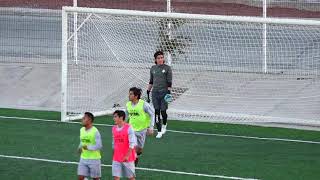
225, 68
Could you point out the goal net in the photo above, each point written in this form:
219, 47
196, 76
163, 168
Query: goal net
225, 68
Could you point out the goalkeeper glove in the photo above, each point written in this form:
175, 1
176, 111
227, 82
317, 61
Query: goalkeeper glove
168, 98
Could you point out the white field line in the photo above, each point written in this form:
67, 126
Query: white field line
138, 168
182, 132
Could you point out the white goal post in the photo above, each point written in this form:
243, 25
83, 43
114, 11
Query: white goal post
228, 69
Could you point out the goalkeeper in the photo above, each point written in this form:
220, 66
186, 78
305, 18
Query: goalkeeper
160, 83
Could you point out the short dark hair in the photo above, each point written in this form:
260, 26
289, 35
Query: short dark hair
136, 91
120, 113
90, 115
158, 53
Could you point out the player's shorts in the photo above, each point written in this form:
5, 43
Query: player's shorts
141, 137
89, 168
123, 169
158, 100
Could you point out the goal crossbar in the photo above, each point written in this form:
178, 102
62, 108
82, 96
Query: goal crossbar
249, 19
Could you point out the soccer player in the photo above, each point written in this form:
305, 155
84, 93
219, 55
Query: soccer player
89, 148
139, 114
123, 144
160, 82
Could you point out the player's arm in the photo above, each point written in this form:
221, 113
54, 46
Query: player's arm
112, 144
98, 144
127, 116
150, 80
169, 78
150, 85
80, 148
132, 143
148, 109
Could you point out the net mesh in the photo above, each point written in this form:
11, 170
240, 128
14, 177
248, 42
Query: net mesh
221, 72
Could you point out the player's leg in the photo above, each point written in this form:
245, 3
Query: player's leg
163, 111
95, 170
165, 119
156, 105
116, 170
141, 138
129, 170
83, 171
158, 121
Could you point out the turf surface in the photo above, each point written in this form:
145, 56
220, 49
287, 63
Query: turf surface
216, 155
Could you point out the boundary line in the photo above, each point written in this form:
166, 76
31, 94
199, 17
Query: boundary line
182, 132
138, 168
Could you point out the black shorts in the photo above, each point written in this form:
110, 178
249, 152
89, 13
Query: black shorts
158, 100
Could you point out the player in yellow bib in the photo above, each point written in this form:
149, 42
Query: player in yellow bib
141, 117
89, 148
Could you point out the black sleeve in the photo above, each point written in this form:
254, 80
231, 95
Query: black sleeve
169, 77
151, 76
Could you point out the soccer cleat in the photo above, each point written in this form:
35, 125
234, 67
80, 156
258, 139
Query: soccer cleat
159, 135
164, 129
